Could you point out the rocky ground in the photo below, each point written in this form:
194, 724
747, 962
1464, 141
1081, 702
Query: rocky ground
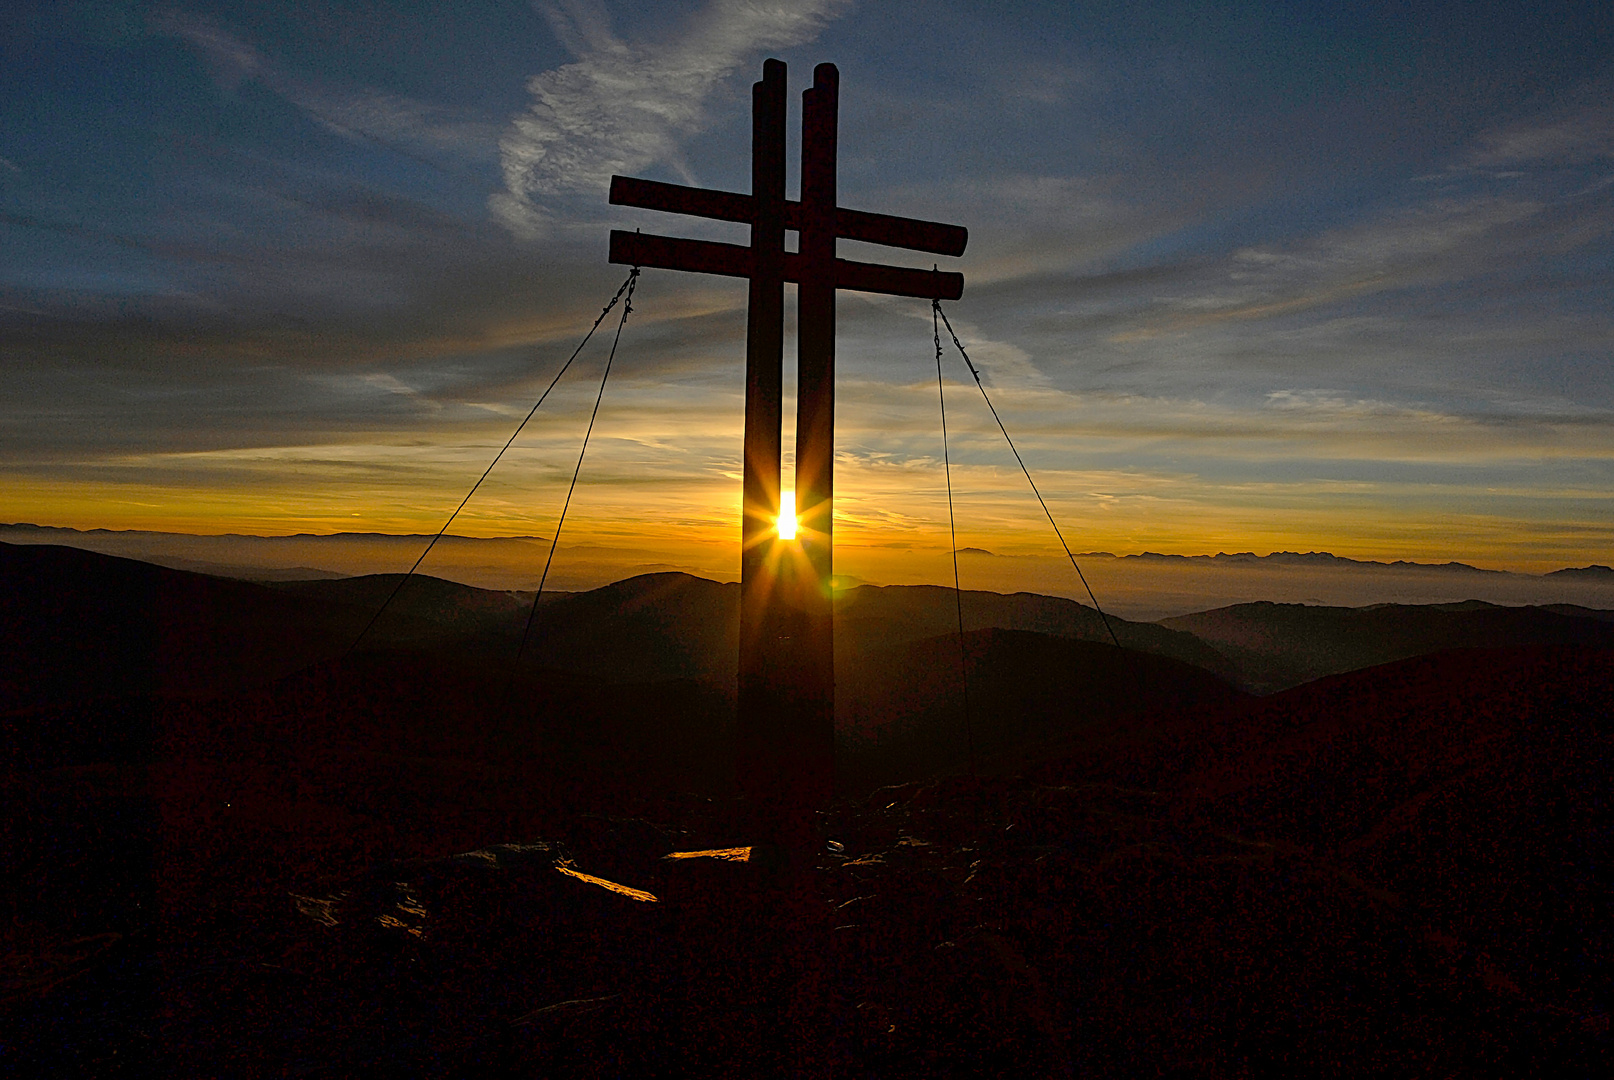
968, 927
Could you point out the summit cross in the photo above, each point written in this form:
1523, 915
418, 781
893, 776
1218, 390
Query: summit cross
787, 657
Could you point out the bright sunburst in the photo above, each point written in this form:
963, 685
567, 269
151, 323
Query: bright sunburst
787, 517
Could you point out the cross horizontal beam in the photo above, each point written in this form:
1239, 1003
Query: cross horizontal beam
733, 260
901, 232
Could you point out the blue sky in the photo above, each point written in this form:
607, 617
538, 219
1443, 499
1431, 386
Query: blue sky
1245, 276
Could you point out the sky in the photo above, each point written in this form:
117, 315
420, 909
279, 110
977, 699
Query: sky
1241, 277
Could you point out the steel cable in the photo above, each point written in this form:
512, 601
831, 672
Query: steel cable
936, 309
626, 287
627, 307
952, 529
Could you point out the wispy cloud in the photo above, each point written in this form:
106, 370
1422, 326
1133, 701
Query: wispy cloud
623, 106
1583, 134
406, 125
1426, 243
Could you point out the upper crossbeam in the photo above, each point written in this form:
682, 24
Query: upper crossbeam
886, 229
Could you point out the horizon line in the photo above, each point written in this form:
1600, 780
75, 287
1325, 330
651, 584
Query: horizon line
1316, 554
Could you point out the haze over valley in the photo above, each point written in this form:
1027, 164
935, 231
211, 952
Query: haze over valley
1139, 586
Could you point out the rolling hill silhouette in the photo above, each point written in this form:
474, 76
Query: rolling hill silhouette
1594, 572
79, 625
872, 616
424, 611
646, 628
1276, 646
673, 625
900, 710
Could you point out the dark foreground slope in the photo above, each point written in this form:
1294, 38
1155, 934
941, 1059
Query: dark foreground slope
403, 863
924, 707
1398, 872
1472, 786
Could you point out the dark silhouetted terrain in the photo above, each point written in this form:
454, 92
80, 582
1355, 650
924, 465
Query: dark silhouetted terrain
231, 847
900, 708
1595, 572
1276, 646
871, 617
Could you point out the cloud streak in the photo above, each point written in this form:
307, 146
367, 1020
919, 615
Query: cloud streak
419, 130
1579, 135
1422, 244
621, 107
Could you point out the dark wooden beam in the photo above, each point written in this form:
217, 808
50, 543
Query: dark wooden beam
732, 260
765, 628
678, 253
808, 730
678, 199
900, 232
894, 280
887, 229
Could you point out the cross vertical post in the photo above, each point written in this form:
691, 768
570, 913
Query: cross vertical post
764, 639
813, 734
787, 648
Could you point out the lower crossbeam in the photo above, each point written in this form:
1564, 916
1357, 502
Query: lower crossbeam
733, 260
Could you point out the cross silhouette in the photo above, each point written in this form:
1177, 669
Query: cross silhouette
786, 663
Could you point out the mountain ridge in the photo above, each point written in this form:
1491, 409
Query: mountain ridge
1279, 646
1311, 558
1243, 558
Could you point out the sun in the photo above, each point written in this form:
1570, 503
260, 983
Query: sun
787, 517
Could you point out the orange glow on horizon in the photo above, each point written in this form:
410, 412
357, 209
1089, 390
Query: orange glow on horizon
883, 532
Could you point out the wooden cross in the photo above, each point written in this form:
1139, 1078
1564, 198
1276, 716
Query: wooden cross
787, 658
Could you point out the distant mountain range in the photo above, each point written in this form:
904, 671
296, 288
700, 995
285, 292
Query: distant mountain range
177, 632
488, 562
1595, 572
1307, 558
407, 539
81, 626
255, 556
